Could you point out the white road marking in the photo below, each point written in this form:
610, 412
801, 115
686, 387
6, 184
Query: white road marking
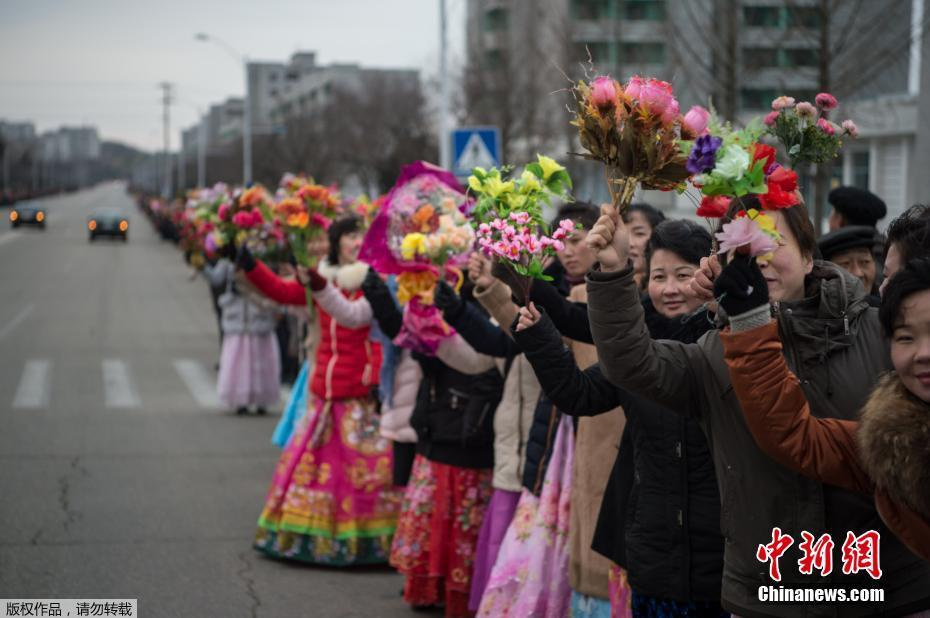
34, 385
199, 382
118, 389
9, 237
11, 325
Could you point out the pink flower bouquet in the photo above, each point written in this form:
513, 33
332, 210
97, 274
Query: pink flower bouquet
805, 131
511, 228
634, 130
420, 234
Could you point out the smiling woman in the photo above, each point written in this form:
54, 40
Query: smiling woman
883, 453
834, 342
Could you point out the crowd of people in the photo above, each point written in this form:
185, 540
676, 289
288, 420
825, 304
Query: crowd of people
641, 438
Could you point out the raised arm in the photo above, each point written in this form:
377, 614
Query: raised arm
354, 313
778, 414
663, 371
569, 318
573, 391
496, 299
383, 306
475, 327
459, 355
284, 291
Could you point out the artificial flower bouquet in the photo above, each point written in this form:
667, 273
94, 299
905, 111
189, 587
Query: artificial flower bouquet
200, 234
366, 208
805, 130
420, 234
304, 211
634, 130
728, 165
508, 212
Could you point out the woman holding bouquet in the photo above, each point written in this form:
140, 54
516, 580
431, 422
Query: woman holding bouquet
332, 501
884, 453
659, 517
250, 361
450, 482
832, 341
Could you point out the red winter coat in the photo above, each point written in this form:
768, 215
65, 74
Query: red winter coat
347, 360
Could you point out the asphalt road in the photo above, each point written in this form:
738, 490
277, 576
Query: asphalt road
120, 476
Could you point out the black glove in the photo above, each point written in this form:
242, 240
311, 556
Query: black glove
741, 287
385, 310
446, 300
244, 259
372, 281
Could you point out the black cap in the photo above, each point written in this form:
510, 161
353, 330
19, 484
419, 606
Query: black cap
858, 206
846, 238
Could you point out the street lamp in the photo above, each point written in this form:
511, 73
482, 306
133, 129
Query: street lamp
247, 112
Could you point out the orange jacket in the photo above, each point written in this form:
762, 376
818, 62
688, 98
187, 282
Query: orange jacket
825, 449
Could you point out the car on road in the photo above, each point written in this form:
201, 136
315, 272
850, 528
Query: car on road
27, 213
108, 222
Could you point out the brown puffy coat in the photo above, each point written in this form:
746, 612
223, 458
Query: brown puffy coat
885, 453
835, 346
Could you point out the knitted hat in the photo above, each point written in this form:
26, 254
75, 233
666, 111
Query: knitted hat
858, 206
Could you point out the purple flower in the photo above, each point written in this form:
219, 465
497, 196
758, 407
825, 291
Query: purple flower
703, 155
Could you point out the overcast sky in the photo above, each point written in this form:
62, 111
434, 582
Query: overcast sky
98, 62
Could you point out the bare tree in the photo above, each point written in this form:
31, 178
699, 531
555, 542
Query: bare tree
367, 133
854, 47
514, 83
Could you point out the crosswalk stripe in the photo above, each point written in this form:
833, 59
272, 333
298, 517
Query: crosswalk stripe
118, 389
199, 382
34, 385
14, 322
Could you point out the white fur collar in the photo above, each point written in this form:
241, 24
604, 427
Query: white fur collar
348, 278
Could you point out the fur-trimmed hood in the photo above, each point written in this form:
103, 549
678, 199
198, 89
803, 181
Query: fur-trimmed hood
894, 441
347, 278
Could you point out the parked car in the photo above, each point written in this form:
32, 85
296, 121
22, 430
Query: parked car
27, 213
108, 222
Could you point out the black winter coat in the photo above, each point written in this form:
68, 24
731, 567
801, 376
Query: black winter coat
660, 517
454, 412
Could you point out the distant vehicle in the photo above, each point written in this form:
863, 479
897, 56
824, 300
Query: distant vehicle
27, 213
108, 222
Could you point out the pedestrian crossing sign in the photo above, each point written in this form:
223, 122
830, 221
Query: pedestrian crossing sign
475, 147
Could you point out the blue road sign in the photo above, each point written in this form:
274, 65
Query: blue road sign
475, 147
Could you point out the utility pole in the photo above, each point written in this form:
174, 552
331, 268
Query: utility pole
202, 152
166, 100
445, 156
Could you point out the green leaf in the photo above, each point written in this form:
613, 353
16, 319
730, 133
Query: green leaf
563, 177
535, 169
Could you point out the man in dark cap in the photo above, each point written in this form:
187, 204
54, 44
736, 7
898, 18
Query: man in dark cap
854, 206
850, 247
